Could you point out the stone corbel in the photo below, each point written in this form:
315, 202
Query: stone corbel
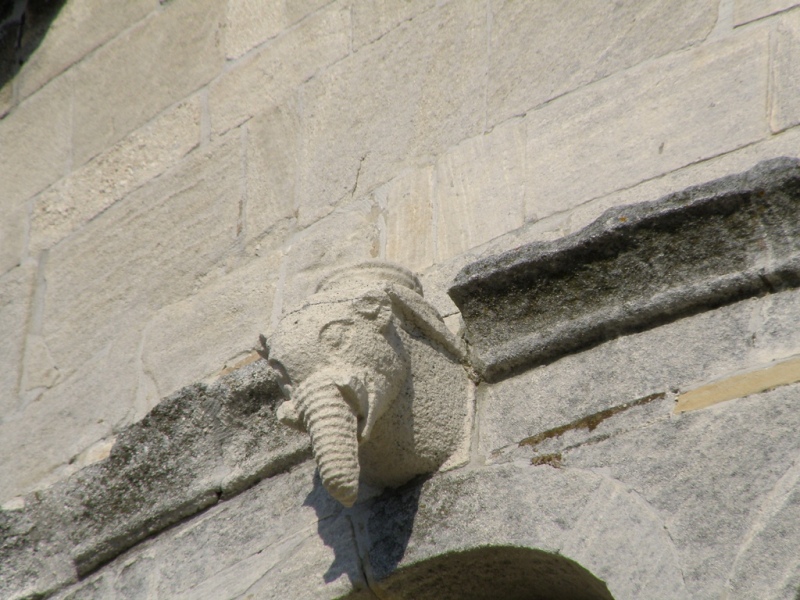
372, 373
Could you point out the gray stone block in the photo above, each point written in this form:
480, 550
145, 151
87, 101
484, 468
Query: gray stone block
634, 268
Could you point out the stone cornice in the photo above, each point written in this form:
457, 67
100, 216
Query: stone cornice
634, 268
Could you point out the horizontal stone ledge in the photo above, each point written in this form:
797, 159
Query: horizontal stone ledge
634, 268
202, 444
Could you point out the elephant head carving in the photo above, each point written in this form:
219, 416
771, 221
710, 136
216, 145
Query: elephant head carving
345, 358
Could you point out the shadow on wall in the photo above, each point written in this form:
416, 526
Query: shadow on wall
23, 25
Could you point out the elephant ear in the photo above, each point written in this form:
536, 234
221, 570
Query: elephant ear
418, 311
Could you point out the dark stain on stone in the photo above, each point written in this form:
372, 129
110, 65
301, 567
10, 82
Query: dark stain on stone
552, 460
590, 422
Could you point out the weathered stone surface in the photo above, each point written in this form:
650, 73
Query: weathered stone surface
71, 416
16, 293
785, 100
196, 337
161, 60
373, 377
579, 515
530, 61
275, 540
363, 125
144, 252
13, 229
406, 202
635, 267
249, 23
749, 10
721, 480
141, 156
43, 122
372, 20
350, 234
80, 27
647, 121
201, 444
272, 148
270, 76
476, 173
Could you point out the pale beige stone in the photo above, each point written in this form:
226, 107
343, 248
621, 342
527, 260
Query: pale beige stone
249, 23
381, 406
141, 156
298, 9
271, 75
14, 226
407, 204
749, 10
480, 189
16, 293
785, 92
272, 146
418, 91
739, 386
42, 443
39, 369
161, 60
349, 234
80, 27
543, 50
647, 121
372, 19
191, 339
35, 142
146, 251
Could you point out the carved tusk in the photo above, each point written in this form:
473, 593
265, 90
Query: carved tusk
334, 428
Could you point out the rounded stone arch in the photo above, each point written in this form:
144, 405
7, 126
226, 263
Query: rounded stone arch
490, 572
579, 534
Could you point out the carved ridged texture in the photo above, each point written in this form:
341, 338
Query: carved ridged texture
333, 428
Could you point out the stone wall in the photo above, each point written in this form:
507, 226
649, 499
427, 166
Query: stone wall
175, 175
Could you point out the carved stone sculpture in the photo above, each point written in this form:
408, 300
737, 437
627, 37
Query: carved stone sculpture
371, 372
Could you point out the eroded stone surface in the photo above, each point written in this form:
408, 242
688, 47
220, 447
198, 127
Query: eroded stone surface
633, 268
373, 375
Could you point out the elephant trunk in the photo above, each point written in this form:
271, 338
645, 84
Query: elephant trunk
333, 426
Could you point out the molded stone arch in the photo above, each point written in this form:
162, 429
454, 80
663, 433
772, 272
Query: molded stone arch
588, 528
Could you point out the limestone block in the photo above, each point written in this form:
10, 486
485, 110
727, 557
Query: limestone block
540, 52
412, 94
161, 60
272, 148
745, 11
40, 443
785, 65
43, 123
481, 172
16, 292
583, 517
407, 203
722, 480
273, 541
646, 121
180, 344
271, 75
144, 252
371, 20
347, 235
372, 373
248, 23
80, 27
13, 229
129, 164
